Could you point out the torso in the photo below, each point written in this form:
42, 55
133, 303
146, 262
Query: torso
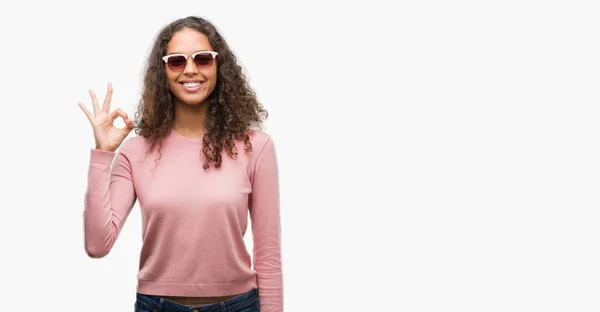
223, 196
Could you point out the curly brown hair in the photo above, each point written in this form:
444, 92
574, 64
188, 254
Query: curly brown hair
233, 107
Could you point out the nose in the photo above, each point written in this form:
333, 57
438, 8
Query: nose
190, 67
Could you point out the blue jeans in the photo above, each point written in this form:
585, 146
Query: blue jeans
246, 302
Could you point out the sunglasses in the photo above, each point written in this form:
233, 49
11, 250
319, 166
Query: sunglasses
177, 62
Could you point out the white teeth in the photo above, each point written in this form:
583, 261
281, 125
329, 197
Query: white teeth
191, 84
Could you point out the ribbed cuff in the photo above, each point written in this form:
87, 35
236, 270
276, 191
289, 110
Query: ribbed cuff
101, 157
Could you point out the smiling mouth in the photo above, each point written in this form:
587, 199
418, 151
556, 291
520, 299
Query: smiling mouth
192, 86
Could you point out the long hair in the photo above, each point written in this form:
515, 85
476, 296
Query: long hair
233, 108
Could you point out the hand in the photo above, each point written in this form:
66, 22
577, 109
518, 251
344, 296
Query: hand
107, 136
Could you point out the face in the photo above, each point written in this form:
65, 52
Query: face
191, 81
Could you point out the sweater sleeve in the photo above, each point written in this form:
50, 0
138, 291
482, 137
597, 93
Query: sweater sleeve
109, 198
266, 231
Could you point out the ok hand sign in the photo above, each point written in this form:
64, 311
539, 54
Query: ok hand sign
107, 136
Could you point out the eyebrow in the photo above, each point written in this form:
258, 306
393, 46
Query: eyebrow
184, 53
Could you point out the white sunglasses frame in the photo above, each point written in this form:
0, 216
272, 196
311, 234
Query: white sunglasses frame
166, 57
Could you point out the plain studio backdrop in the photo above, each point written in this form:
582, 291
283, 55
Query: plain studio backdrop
434, 155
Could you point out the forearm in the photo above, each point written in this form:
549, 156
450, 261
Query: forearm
108, 200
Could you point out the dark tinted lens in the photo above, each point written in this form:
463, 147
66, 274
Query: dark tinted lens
176, 63
203, 59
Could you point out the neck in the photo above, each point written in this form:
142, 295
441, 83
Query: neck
190, 120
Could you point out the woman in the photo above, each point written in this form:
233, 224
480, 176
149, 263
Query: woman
196, 105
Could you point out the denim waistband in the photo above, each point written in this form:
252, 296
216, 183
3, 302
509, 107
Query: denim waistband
157, 303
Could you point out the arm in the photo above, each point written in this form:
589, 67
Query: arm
109, 198
266, 231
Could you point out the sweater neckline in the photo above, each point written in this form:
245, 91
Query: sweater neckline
181, 138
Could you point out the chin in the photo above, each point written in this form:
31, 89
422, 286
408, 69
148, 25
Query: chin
192, 100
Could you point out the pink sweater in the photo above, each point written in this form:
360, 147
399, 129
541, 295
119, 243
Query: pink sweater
193, 220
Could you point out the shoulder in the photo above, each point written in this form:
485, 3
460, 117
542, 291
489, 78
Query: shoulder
133, 145
259, 137
260, 140
263, 152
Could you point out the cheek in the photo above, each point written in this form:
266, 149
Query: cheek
171, 77
172, 80
212, 73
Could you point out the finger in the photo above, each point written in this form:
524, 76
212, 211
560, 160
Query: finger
128, 127
86, 111
95, 104
118, 113
129, 123
107, 99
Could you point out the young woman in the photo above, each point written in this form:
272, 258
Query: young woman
199, 165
